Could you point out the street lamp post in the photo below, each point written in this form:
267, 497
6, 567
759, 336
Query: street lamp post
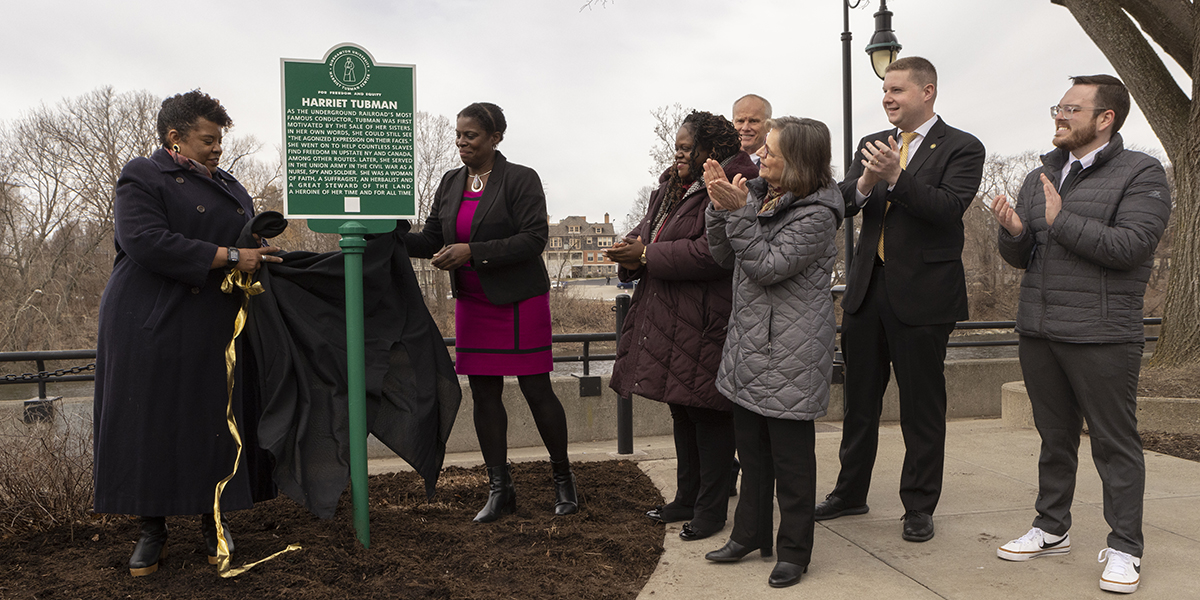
882, 49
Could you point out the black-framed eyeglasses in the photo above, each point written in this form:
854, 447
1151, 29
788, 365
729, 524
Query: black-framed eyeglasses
1068, 111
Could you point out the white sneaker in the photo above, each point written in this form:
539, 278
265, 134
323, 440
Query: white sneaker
1122, 573
1032, 545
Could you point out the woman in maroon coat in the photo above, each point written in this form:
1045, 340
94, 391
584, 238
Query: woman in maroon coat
672, 338
161, 440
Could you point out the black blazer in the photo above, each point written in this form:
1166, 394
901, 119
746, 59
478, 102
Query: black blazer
508, 232
924, 242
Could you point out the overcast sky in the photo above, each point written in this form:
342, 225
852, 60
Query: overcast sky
576, 86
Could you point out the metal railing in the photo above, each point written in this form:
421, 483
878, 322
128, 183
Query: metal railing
572, 338
86, 372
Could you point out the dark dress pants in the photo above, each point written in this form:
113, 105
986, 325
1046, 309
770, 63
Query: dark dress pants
1098, 382
781, 454
704, 451
872, 338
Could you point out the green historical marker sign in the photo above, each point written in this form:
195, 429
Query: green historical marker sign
348, 140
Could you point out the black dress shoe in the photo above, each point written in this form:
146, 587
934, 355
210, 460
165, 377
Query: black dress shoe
918, 526
733, 552
785, 574
691, 534
668, 514
833, 507
151, 548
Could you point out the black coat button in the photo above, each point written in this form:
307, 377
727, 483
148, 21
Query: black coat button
195, 290
241, 211
200, 208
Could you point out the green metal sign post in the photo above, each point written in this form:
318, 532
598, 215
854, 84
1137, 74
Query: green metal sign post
348, 159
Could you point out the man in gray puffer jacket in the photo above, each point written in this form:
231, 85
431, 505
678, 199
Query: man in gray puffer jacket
1085, 228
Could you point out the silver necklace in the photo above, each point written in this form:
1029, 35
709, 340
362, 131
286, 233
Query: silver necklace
477, 182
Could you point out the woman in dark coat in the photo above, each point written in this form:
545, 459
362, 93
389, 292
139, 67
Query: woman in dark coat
161, 439
672, 337
778, 232
488, 227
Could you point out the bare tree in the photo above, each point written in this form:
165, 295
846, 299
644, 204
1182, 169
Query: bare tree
667, 120
241, 157
62, 164
638, 211
1174, 25
83, 143
435, 153
993, 286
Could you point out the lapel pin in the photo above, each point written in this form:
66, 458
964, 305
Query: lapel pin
932, 146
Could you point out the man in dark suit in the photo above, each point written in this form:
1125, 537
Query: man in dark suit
905, 291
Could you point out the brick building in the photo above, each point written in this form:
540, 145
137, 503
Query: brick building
576, 248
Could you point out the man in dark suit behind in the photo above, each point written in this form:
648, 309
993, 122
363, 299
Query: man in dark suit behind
905, 291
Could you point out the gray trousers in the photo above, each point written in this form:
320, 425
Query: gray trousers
1098, 382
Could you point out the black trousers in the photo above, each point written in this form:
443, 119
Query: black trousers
873, 338
1068, 383
704, 451
776, 453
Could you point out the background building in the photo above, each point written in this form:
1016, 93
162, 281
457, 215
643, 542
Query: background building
576, 248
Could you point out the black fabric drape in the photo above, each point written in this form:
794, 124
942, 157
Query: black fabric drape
297, 332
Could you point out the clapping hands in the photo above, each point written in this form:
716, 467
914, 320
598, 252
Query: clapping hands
724, 194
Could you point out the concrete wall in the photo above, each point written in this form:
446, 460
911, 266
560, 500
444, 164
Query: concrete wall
973, 388
1172, 415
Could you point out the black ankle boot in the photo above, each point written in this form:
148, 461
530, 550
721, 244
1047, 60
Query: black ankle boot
208, 526
151, 548
566, 500
502, 499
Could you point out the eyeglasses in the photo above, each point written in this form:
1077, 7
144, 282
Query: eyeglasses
1068, 111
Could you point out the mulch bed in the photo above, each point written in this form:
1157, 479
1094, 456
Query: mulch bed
1173, 382
418, 549
1181, 445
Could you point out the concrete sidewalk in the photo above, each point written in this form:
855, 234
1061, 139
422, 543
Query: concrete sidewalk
988, 496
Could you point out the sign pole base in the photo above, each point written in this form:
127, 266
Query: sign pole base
353, 246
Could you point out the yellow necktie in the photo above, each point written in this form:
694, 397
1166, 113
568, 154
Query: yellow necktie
906, 139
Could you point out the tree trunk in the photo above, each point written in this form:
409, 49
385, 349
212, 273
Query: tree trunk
1176, 120
1179, 343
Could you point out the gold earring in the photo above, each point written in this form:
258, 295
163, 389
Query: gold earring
175, 148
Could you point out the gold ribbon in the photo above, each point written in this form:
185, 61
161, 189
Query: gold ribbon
235, 280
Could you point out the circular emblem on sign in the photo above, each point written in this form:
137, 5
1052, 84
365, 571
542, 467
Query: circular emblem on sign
349, 68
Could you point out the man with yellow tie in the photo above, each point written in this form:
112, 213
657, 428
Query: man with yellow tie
905, 290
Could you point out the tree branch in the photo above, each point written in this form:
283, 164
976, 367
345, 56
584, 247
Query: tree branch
1169, 24
1162, 101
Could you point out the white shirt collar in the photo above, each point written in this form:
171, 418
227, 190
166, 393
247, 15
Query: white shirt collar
1088, 159
921, 131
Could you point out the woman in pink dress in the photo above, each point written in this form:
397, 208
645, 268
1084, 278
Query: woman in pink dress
488, 228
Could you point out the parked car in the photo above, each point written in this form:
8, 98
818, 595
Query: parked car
626, 285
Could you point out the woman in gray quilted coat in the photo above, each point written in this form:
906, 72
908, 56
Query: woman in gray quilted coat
777, 232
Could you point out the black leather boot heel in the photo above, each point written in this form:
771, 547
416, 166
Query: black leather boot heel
566, 499
502, 499
208, 526
151, 548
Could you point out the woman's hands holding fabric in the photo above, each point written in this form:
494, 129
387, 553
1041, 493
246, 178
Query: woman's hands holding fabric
250, 260
452, 257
